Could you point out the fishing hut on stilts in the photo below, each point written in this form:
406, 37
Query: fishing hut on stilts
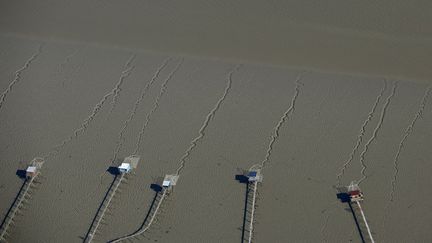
126, 167
254, 176
161, 192
29, 175
356, 197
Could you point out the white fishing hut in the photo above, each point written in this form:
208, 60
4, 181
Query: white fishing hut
128, 164
31, 172
170, 180
34, 167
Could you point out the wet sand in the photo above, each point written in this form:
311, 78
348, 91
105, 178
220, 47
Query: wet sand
297, 201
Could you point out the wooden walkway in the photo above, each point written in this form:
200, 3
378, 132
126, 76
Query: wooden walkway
103, 207
17, 203
249, 211
149, 219
358, 209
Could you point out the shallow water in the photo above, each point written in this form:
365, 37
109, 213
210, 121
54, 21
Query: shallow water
385, 38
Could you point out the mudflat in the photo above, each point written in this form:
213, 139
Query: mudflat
84, 108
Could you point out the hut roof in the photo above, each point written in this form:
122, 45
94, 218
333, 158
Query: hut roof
31, 169
252, 174
124, 166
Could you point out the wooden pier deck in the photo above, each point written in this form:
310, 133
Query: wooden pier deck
17, 203
103, 207
150, 217
249, 211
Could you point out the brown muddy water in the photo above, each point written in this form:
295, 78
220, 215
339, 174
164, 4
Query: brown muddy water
319, 100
